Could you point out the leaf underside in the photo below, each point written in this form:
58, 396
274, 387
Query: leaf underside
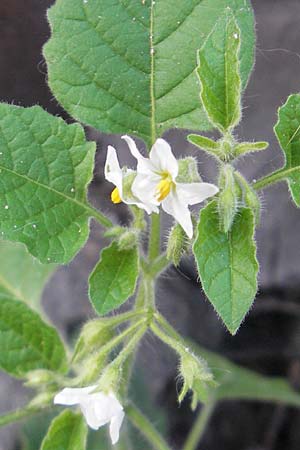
227, 264
104, 73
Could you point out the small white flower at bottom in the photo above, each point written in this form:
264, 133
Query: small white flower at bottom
98, 408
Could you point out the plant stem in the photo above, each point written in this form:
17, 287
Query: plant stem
159, 265
146, 428
275, 177
199, 425
154, 240
17, 415
97, 215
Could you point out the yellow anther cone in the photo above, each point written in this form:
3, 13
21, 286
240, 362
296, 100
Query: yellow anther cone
115, 196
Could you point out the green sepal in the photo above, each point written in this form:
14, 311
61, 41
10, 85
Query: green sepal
249, 147
178, 244
188, 171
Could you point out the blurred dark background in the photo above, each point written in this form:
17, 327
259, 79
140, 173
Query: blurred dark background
269, 340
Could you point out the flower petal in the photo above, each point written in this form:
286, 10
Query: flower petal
193, 193
112, 169
115, 425
163, 159
143, 164
144, 188
180, 211
73, 396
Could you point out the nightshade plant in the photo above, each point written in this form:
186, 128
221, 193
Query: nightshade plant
134, 68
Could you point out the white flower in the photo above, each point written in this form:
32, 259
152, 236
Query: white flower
118, 177
98, 408
156, 184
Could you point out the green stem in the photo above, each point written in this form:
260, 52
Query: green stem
145, 426
275, 177
199, 426
167, 326
17, 415
159, 265
97, 215
154, 240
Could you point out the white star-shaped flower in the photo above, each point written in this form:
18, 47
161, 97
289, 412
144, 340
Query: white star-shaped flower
98, 408
118, 176
156, 184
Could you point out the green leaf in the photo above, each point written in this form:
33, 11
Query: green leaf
22, 277
45, 168
114, 278
227, 264
219, 74
287, 131
68, 431
249, 147
238, 383
27, 343
129, 66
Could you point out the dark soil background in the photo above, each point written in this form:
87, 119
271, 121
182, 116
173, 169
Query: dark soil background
269, 340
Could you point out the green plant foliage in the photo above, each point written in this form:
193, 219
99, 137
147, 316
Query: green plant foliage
114, 278
68, 431
27, 343
45, 168
218, 73
227, 264
128, 66
287, 130
237, 383
22, 277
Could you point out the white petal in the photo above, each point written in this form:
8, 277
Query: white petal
193, 193
114, 427
144, 165
72, 396
163, 159
173, 206
144, 188
112, 169
88, 410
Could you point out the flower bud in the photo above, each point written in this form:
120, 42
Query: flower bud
39, 378
93, 336
128, 240
114, 232
188, 171
196, 377
178, 244
228, 198
249, 196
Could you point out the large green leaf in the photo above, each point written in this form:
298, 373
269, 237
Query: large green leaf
219, 76
114, 278
227, 264
287, 130
128, 66
26, 342
22, 276
45, 168
236, 382
68, 431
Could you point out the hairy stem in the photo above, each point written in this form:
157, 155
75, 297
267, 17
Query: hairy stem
275, 177
159, 265
199, 426
19, 414
154, 240
146, 428
97, 215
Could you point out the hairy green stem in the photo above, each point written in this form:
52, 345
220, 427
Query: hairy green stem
154, 240
275, 177
159, 265
146, 428
199, 426
97, 215
19, 414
